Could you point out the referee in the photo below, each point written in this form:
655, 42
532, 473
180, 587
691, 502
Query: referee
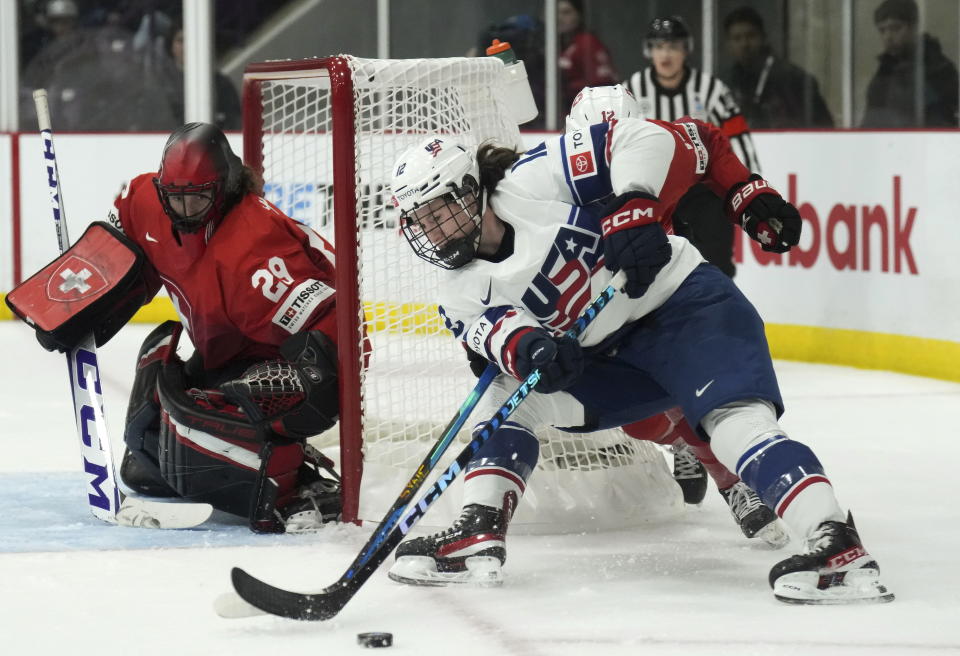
668, 90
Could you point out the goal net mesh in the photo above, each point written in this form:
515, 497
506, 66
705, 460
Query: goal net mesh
417, 374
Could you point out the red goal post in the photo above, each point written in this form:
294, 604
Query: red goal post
325, 134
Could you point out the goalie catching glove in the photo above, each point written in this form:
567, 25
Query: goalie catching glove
295, 398
764, 215
634, 240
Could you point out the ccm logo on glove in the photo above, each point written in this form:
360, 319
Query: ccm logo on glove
635, 212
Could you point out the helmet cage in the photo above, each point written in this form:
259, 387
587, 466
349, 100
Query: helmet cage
190, 207
445, 230
200, 178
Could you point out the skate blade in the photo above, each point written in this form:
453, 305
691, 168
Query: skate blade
481, 571
860, 586
774, 535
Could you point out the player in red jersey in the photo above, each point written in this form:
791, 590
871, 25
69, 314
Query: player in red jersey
254, 292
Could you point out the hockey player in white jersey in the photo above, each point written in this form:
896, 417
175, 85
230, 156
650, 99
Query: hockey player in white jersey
602, 105
668, 89
527, 246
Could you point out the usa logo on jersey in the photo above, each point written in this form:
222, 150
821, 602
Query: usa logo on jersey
561, 289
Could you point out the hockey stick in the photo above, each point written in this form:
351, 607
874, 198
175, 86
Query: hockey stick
327, 603
229, 606
104, 498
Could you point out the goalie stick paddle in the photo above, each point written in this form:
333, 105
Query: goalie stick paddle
327, 603
104, 497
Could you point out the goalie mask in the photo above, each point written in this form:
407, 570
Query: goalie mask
601, 105
436, 188
200, 177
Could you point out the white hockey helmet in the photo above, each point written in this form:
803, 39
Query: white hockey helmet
601, 105
436, 188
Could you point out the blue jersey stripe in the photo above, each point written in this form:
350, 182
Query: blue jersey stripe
566, 171
596, 187
534, 153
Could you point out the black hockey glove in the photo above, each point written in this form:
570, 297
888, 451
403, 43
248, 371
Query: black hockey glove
640, 253
478, 363
764, 215
559, 359
634, 240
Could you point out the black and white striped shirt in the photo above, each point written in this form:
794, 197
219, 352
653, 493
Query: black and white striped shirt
701, 96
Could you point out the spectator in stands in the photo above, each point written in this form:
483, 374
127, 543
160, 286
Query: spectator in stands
94, 78
892, 98
226, 111
584, 60
771, 91
36, 30
61, 39
525, 34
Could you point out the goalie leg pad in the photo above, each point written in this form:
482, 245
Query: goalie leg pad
140, 469
206, 453
210, 451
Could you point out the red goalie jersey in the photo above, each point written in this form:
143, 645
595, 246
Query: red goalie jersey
242, 288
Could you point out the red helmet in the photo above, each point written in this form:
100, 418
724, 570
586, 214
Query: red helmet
200, 177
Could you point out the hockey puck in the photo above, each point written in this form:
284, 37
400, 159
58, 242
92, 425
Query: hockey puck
375, 639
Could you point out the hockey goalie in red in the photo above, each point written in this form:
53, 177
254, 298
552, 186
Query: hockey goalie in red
253, 289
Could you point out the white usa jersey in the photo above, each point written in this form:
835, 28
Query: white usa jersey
700, 96
551, 199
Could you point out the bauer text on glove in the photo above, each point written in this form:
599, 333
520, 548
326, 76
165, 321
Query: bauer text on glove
764, 215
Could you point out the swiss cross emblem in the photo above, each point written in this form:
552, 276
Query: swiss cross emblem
434, 147
74, 280
582, 164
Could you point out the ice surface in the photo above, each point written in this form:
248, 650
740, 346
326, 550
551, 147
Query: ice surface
687, 585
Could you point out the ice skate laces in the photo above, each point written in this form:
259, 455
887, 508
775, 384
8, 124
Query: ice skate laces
742, 500
822, 538
685, 464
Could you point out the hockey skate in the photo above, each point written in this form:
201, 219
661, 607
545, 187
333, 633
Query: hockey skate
472, 551
689, 474
756, 520
316, 504
834, 569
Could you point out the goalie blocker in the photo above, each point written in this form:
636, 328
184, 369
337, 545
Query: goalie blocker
94, 287
240, 446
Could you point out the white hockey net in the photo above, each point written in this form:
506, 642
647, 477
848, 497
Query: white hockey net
418, 375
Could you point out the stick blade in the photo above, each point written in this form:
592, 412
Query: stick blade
294, 605
230, 606
141, 513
